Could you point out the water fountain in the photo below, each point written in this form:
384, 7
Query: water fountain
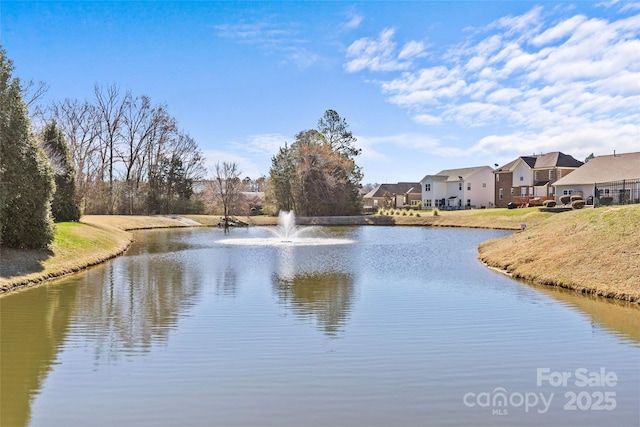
287, 233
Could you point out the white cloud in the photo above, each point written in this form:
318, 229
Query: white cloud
563, 29
529, 83
355, 20
278, 38
427, 119
265, 144
380, 54
413, 49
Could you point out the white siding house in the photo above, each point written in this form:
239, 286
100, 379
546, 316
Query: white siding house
458, 188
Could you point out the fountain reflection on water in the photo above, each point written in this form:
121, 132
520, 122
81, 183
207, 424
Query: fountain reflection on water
287, 233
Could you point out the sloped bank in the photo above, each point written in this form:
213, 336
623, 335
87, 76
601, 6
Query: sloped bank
76, 246
593, 251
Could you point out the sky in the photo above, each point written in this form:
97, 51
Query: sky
423, 85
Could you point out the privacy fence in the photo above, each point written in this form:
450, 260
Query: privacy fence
623, 192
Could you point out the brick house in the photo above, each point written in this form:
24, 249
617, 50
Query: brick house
528, 180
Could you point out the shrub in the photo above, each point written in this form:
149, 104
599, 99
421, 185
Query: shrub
549, 203
435, 212
576, 197
565, 200
578, 204
417, 214
606, 201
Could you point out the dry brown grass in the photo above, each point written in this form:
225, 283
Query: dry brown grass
136, 222
594, 251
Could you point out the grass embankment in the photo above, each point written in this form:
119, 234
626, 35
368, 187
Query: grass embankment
595, 251
76, 246
507, 219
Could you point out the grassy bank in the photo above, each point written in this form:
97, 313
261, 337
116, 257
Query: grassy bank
76, 246
595, 251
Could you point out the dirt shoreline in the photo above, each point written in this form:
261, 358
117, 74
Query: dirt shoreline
533, 221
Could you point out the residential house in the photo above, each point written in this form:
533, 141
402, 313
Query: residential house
392, 196
529, 179
458, 188
615, 177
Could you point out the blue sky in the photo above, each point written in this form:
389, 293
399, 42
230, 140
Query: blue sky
424, 86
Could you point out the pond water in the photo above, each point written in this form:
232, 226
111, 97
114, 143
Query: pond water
391, 326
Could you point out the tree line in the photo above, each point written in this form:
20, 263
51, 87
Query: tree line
116, 153
130, 155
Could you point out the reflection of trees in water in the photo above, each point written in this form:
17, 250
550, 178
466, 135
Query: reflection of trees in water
134, 302
33, 325
327, 296
227, 282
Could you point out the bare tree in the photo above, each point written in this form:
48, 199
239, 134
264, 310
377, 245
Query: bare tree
111, 106
78, 122
227, 185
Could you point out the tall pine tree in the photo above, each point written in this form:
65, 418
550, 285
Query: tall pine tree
26, 176
64, 206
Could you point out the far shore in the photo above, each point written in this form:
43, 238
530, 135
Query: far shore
573, 250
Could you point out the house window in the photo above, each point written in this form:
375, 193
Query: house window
513, 191
427, 187
497, 177
536, 176
521, 177
375, 203
567, 192
468, 202
551, 175
559, 173
606, 191
427, 203
460, 186
501, 194
550, 191
484, 185
468, 186
523, 191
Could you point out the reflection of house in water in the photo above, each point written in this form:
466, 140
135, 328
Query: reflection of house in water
326, 296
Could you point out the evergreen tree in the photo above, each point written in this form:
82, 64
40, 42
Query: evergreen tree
64, 206
26, 176
314, 177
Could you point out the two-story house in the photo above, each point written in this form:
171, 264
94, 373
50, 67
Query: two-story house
528, 180
458, 188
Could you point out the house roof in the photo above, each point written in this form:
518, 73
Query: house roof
542, 161
604, 169
556, 159
454, 175
393, 189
